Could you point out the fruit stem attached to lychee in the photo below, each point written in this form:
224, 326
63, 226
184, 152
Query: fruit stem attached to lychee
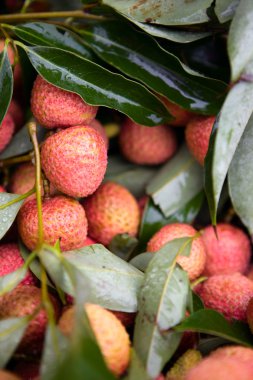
15, 160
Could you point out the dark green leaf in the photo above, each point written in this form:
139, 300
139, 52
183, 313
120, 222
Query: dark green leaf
211, 322
208, 345
134, 177
11, 332
166, 12
240, 178
97, 85
139, 56
142, 261
44, 34
123, 245
6, 83
162, 305
8, 214
176, 183
225, 138
240, 39
21, 142
225, 9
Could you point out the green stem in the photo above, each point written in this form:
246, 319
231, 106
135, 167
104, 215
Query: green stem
32, 131
18, 199
26, 5
15, 160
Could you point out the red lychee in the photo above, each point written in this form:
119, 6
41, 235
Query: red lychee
2, 189
197, 135
127, 319
16, 111
227, 293
146, 145
99, 127
22, 301
193, 264
89, 241
229, 253
182, 116
243, 354
75, 160
6, 131
26, 369
57, 108
11, 260
249, 314
111, 210
63, 218
111, 335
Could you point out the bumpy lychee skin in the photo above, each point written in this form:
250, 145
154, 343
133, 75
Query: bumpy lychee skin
182, 116
111, 210
57, 108
11, 260
228, 294
24, 301
244, 354
230, 253
17, 114
63, 218
75, 160
111, 335
6, 131
6, 375
99, 128
197, 135
193, 264
145, 145
187, 361
249, 314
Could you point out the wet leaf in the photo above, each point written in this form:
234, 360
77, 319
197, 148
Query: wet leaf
162, 305
6, 83
176, 183
8, 214
96, 85
211, 322
240, 178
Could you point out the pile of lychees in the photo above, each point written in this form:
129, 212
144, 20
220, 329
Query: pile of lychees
79, 208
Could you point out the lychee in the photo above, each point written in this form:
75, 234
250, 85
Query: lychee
227, 252
99, 128
6, 375
228, 294
194, 263
17, 114
26, 368
111, 210
75, 160
243, 354
6, 131
197, 135
57, 108
11, 260
22, 301
89, 241
146, 145
63, 218
187, 361
127, 319
182, 116
111, 335
249, 314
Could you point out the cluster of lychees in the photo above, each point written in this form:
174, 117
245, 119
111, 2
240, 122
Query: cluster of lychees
79, 209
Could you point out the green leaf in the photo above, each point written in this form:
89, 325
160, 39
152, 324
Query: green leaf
54, 351
134, 177
97, 85
240, 178
176, 183
162, 305
21, 143
166, 12
11, 280
140, 57
153, 219
11, 333
240, 39
136, 369
142, 260
123, 245
44, 34
225, 9
6, 83
211, 322
113, 283
8, 214
225, 138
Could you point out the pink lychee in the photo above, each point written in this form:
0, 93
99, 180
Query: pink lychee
99, 127
6, 131
17, 114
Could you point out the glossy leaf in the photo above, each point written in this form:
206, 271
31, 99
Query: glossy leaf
166, 12
225, 138
6, 83
11, 333
225, 9
123, 245
134, 177
176, 183
11, 280
21, 143
55, 349
8, 214
240, 39
44, 34
140, 57
211, 322
113, 283
240, 178
163, 300
97, 85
